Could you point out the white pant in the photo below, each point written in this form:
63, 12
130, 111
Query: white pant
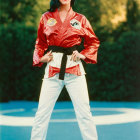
50, 90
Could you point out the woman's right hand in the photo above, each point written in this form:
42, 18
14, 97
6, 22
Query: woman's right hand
47, 57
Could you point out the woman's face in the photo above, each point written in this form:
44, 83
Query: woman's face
65, 2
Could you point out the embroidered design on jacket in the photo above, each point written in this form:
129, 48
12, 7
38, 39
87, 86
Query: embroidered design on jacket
75, 23
51, 22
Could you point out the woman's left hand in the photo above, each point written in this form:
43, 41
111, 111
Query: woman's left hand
76, 56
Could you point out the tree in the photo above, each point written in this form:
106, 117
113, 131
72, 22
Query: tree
132, 14
17, 11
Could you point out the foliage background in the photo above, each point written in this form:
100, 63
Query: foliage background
116, 76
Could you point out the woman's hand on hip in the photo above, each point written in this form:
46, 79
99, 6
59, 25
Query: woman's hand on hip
47, 57
76, 56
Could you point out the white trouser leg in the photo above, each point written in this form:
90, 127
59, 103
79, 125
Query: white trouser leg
50, 91
77, 89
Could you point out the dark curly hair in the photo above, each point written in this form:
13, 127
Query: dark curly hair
56, 4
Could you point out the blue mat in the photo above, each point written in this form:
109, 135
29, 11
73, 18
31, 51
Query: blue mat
108, 129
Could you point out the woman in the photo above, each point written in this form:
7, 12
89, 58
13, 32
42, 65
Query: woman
60, 33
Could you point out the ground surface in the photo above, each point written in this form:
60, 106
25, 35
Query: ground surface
114, 120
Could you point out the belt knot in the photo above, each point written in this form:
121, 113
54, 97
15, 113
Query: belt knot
65, 51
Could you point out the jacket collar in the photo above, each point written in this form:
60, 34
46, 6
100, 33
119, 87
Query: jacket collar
70, 14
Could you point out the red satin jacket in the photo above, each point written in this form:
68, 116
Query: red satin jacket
52, 31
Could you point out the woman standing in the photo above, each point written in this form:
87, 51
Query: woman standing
60, 33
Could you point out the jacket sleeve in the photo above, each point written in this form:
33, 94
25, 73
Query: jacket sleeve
40, 44
91, 43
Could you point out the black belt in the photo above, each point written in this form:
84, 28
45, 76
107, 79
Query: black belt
65, 51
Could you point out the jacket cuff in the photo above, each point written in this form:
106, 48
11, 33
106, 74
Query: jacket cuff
37, 63
89, 59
